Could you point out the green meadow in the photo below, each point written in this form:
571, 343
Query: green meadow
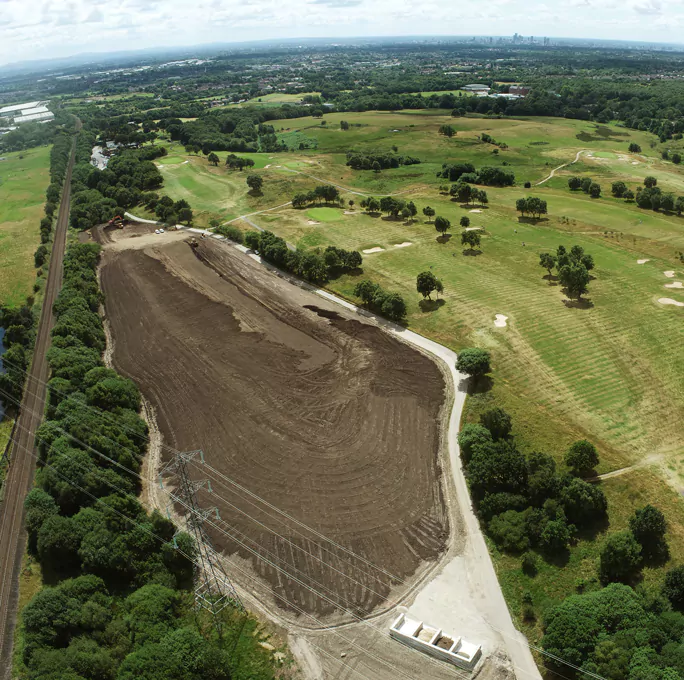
24, 177
610, 369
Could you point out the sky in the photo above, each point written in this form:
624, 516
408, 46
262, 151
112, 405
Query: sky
43, 29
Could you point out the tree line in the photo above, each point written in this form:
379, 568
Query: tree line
466, 172
19, 323
323, 193
311, 265
358, 160
120, 605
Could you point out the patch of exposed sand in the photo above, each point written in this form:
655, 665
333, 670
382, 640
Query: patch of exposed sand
405, 244
669, 273
349, 212
476, 211
473, 228
674, 284
185, 162
266, 167
642, 261
312, 223
377, 249
670, 301
635, 162
500, 321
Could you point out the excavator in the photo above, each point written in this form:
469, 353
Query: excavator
117, 222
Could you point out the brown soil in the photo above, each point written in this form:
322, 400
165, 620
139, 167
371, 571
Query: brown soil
445, 642
328, 418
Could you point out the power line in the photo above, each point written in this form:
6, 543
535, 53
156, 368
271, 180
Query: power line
151, 533
523, 640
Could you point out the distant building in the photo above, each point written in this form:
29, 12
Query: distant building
476, 87
31, 112
520, 90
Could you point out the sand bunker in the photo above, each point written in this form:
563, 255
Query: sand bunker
266, 167
405, 244
473, 228
670, 301
500, 321
674, 284
642, 261
476, 211
635, 162
312, 223
669, 273
349, 212
377, 249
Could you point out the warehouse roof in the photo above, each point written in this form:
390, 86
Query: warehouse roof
19, 107
35, 117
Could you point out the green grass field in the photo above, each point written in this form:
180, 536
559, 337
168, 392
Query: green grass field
24, 177
611, 370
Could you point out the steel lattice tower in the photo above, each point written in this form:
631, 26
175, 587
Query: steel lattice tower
214, 591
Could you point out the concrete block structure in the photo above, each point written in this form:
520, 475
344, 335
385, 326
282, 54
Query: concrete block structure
436, 642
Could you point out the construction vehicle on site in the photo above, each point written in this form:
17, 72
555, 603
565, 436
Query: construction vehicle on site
117, 222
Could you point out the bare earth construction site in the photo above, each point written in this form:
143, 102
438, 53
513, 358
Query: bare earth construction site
330, 419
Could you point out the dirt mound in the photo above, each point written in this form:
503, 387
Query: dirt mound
328, 418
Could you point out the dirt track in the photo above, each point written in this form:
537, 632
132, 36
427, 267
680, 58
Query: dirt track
329, 418
22, 465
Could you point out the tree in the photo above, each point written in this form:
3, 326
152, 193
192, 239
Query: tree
667, 202
255, 182
620, 557
428, 212
582, 502
548, 261
462, 191
411, 207
393, 307
676, 158
376, 167
473, 361
498, 422
673, 588
442, 224
595, 190
618, 189
213, 158
650, 181
373, 205
575, 278
367, 291
585, 184
581, 457
509, 531
648, 525
465, 221
628, 195
471, 239
406, 214
555, 536
574, 183
447, 130
426, 283
521, 206
634, 148
497, 468
344, 125
185, 215
470, 436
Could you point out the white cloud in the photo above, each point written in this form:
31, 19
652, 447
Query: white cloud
31, 29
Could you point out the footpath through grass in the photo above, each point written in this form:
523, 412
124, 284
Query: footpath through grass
24, 177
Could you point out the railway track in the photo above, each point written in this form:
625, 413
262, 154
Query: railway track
22, 465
